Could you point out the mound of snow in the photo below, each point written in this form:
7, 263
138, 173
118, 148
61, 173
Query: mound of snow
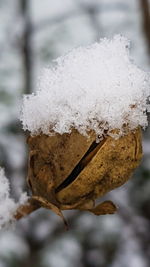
96, 87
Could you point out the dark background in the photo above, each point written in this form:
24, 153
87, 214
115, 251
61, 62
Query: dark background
32, 33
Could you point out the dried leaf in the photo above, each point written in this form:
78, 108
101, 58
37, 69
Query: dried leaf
107, 207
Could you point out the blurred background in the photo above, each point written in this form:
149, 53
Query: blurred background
32, 34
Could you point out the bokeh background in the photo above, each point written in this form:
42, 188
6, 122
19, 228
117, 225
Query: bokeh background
32, 34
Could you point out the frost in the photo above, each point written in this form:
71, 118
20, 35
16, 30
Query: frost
8, 206
96, 87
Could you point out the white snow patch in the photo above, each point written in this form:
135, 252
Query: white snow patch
8, 206
96, 87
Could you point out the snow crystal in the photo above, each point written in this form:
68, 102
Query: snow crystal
96, 87
8, 206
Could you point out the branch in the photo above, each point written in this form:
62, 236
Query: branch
26, 47
145, 9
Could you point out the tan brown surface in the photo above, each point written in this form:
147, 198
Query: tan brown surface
112, 166
70, 171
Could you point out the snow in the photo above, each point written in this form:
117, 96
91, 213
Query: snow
8, 206
48, 43
91, 88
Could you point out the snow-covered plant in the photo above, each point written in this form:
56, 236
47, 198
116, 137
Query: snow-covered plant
92, 93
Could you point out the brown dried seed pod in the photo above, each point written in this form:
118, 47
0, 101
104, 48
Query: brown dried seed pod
70, 171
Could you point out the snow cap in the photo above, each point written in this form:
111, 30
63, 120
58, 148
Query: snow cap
96, 87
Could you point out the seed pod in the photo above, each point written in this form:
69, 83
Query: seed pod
70, 171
